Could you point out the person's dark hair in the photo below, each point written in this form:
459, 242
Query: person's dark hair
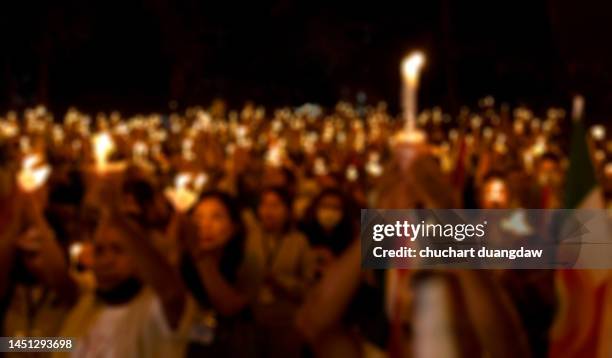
69, 192
549, 156
342, 234
233, 252
494, 174
142, 191
290, 177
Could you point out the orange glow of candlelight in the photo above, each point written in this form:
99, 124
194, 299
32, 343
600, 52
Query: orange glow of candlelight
33, 173
185, 192
103, 147
411, 67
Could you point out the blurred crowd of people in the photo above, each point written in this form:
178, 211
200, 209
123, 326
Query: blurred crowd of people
235, 233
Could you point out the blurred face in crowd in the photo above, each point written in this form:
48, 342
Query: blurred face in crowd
549, 173
272, 212
273, 176
495, 194
214, 225
329, 212
112, 264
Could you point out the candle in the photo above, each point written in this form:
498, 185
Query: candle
320, 168
103, 147
33, 173
187, 149
352, 174
411, 67
181, 196
373, 166
274, 156
577, 107
608, 171
199, 181
598, 132
58, 134
140, 150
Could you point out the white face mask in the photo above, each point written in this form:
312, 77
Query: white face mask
328, 218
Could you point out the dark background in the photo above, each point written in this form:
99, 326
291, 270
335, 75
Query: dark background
137, 56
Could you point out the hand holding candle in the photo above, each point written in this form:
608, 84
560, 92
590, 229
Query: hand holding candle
103, 147
187, 188
33, 174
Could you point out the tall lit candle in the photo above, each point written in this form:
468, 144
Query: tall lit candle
103, 147
411, 68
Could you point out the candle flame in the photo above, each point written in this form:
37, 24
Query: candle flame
411, 66
103, 147
199, 181
186, 190
33, 173
182, 180
598, 132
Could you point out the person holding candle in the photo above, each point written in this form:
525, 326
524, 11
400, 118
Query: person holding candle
137, 298
35, 287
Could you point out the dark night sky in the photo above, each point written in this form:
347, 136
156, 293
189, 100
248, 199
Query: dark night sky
138, 55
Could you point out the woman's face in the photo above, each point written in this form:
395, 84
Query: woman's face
272, 212
495, 194
214, 225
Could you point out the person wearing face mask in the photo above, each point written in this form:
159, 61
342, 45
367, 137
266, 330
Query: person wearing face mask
288, 272
329, 225
221, 274
331, 228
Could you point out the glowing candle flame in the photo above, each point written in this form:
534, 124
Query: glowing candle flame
103, 147
199, 181
182, 180
33, 173
319, 167
598, 132
373, 166
186, 190
411, 68
352, 174
140, 150
275, 154
187, 149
